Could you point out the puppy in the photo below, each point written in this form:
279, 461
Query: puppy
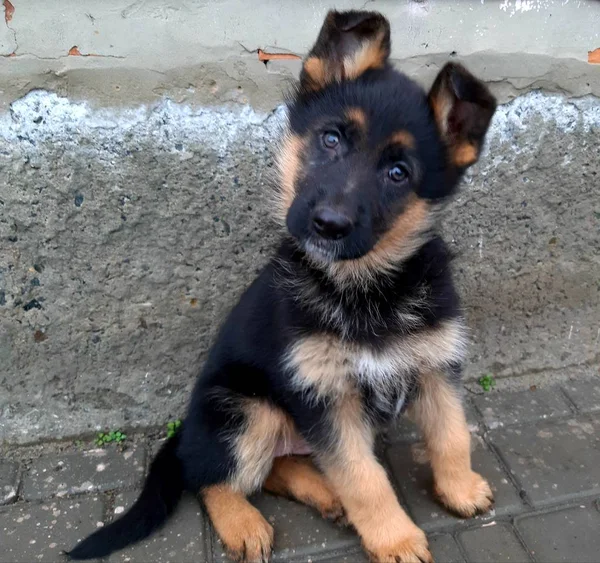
354, 320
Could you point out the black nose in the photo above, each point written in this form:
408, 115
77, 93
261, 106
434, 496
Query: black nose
331, 224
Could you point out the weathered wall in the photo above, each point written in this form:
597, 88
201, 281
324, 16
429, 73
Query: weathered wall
199, 51
129, 223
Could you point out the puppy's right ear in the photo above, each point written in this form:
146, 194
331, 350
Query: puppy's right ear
349, 44
463, 108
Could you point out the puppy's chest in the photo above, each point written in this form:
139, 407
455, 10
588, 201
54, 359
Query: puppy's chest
326, 366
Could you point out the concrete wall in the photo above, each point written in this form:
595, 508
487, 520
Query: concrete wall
135, 152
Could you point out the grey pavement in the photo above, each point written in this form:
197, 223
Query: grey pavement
540, 449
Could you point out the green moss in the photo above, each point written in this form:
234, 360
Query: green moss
487, 382
114, 437
173, 427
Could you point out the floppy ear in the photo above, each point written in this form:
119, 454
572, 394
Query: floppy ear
349, 44
463, 108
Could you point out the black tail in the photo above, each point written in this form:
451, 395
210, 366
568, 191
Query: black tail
160, 495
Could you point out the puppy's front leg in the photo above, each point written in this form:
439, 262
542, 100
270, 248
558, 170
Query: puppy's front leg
439, 412
387, 532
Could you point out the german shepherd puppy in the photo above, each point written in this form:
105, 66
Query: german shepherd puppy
354, 320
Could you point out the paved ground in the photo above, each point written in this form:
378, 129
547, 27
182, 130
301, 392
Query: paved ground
540, 448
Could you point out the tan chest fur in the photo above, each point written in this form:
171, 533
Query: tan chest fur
329, 366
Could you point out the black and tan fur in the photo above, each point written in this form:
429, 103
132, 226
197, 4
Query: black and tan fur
353, 321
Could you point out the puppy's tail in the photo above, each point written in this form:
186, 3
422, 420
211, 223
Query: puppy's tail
160, 495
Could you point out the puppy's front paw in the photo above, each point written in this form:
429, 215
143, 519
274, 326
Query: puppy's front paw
467, 496
408, 547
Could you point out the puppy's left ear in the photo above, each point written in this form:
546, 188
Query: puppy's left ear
463, 108
349, 44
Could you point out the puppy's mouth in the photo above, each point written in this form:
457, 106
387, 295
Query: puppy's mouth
323, 251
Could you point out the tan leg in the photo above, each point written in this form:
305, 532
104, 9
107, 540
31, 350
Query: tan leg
387, 532
439, 412
297, 477
246, 535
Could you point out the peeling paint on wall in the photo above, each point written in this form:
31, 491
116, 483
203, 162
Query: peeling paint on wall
43, 117
521, 6
9, 10
265, 57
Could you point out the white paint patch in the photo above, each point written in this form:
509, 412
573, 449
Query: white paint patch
9, 493
513, 7
96, 452
86, 486
41, 117
533, 109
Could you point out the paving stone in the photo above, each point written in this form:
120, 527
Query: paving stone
402, 430
444, 549
473, 417
39, 532
350, 557
415, 481
79, 472
585, 394
501, 408
300, 531
182, 539
563, 536
497, 543
553, 461
9, 481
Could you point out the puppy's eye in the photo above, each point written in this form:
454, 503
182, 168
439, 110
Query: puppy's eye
398, 172
331, 139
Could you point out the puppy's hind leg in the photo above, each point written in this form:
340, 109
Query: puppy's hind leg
245, 533
297, 477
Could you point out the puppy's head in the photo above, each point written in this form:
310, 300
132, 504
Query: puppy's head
368, 151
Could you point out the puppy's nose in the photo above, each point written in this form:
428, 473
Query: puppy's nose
331, 224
